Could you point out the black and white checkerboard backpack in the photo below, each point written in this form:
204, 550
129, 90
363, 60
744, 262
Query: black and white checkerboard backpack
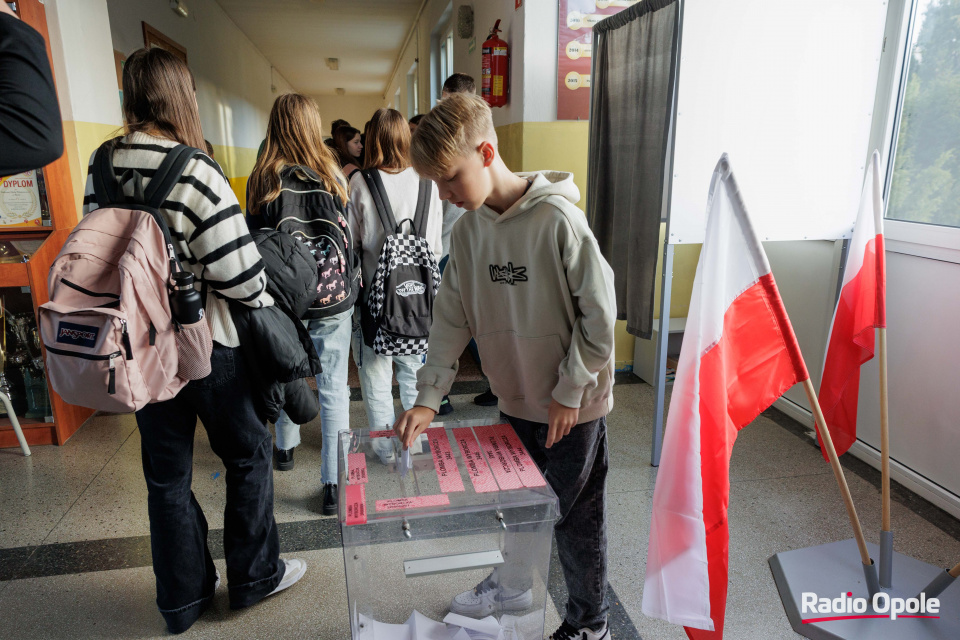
399, 306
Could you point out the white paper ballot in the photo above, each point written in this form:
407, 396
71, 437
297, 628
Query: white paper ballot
488, 627
423, 628
406, 462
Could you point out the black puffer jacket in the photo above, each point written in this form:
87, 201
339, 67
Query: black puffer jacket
278, 349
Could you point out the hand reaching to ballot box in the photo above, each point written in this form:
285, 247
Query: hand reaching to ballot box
412, 423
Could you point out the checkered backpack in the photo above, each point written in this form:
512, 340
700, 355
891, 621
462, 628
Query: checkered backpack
399, 306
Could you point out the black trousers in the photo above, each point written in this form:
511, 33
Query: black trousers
178, 529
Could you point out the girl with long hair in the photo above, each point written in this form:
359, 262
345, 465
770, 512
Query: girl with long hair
297, 187
388, 152
346, 140
160, 112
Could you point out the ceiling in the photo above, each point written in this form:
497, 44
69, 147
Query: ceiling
297, 37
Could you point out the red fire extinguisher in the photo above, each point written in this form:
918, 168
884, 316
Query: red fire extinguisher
495, 69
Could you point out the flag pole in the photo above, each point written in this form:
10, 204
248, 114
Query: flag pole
886, 534
941, 582
869, 570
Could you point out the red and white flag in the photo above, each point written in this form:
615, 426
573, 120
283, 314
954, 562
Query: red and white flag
739, 354
860, 309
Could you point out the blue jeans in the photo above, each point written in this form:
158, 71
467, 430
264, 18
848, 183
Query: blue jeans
178, 529
331, 338
376, 382
576, 468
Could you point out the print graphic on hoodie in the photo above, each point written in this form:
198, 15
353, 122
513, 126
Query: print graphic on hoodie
508, 274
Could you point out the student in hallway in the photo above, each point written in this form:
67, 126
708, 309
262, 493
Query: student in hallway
297, 187
527, 278
160, 112
388, 153
461, 83
349, 149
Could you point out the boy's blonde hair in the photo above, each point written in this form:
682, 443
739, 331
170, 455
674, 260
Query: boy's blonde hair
451, 130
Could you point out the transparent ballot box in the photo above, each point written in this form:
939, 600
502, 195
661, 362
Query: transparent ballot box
467, 505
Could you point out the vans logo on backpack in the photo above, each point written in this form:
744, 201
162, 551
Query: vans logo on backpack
411, 288
80, 335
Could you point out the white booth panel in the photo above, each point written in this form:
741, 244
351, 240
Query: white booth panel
787, 90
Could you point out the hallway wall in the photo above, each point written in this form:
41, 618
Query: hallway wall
236, 85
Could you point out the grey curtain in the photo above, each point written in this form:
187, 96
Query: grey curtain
634, 54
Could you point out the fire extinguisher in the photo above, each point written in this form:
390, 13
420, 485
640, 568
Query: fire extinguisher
495, 69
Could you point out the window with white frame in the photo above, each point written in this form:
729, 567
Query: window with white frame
925, 186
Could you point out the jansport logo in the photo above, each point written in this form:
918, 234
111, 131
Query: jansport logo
80, 335
846, 607
411, 288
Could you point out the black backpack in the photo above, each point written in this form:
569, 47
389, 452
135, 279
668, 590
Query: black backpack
398, 312
311, 214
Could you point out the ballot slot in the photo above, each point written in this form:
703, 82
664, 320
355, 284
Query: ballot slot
452, 563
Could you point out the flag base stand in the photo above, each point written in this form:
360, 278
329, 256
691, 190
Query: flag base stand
833, 569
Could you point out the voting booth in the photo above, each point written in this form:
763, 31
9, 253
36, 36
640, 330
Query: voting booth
466, 503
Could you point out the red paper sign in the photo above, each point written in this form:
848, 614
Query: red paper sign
496, 454
382, 434
395, 504
480, 475
575, 52
356, 468
447, 470
525, 466
355, 508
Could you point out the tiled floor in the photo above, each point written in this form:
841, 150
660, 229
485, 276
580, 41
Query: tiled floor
75, 555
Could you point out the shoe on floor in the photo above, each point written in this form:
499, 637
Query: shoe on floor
283, 458
486, 399
294, 568
490, 596
217, 584
568, 632
383, 447
330, 499
445, 407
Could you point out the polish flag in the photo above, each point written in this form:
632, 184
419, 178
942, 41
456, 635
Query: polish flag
860, 310
739, 354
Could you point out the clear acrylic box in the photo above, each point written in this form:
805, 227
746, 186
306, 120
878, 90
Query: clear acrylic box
472, 506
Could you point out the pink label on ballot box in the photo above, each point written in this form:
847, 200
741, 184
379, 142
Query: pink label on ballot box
357, 468
396, 504
522, 462
447, 471
480, 475
382, 434
355, 508
496, 454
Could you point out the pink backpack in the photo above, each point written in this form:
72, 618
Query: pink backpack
110, 339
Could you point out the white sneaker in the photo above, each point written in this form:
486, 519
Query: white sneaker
383, 447
294, 570
568, 632
490, 596
217, 585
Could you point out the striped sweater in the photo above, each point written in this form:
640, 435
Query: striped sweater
208, 229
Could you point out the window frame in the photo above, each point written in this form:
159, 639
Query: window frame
920, 239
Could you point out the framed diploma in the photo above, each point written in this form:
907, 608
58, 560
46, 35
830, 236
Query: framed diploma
22, 200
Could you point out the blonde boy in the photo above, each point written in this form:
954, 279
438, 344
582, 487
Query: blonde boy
527, 280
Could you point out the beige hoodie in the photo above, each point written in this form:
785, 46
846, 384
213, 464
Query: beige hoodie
532, 288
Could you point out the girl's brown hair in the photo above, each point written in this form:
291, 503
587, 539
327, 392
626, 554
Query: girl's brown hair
160, 97
388, 142
341, 137
294, 137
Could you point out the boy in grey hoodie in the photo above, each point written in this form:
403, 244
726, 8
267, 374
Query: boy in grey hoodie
527, 280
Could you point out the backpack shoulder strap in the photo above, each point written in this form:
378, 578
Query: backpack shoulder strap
168, 174
423, 208
379, 194
106, 188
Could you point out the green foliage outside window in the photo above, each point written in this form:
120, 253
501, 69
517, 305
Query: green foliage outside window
926, 178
